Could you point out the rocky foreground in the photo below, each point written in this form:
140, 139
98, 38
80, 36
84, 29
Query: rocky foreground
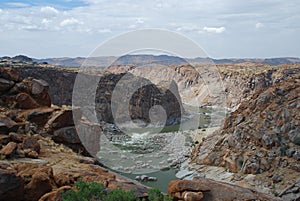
42, 155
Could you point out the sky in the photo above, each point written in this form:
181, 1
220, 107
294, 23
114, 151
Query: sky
222, 28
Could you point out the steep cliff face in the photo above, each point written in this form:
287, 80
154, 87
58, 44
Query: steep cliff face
238, 81
261, 135
141, 95
226, 85
61, 83
242, 81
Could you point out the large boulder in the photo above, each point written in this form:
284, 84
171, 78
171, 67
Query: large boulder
28, 93
7, 125
39, 180
9, 74
179, 188
11, 186
66, 135
39, 185
210, 190
9, 149
25, 101
39, 116
62, 118
5, 84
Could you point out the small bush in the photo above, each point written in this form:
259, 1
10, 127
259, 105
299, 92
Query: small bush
84, 191
93, 191
119, 195
155, 195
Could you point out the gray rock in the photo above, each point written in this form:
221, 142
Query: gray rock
290, 152
152, 179
39, 86
144, 177
277, 178
297, 155
66, 135
5, 84
268, 141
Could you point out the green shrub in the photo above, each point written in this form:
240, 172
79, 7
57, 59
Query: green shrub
84, 191
156, 195
119, 195
93, 191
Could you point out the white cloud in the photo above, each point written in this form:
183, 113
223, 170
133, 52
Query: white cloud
104, 31
17, 4
132, 26
217, 30
49, 10
188, 28
69, 22
140, 21
259, 25
46, 21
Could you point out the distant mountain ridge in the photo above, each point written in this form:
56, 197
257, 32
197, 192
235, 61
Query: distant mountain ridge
160, 60
145, 59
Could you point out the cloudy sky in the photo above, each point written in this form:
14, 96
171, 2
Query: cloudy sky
223, 28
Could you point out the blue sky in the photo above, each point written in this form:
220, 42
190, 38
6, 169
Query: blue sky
223, 28
64, 5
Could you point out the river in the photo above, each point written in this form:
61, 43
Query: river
154, 154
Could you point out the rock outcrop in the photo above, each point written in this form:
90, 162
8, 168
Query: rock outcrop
201, 189
260, 137
35, 161
24, 94
61, 83
229, 84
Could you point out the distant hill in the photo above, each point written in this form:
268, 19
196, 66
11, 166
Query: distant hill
160, 60
139, 60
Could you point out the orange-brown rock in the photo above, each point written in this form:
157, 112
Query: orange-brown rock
39, 185
31, 143
25, 101
38, 180
192, 196
9, 149
185, 185
63, 118
10, 74
210, 190
55, 195
32, 154
63, 179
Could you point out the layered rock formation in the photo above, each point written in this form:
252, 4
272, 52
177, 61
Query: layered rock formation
228, 84
260, 137
62, 83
